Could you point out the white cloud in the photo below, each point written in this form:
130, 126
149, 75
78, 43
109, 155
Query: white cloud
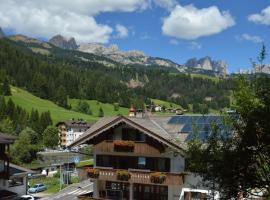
70, 18
189, 22
251, 38
261, 18
174, 42
167, 4
121, 30
195, 45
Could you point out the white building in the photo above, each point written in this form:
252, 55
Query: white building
71, 130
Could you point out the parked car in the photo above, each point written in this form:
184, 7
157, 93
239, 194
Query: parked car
26, 197
37, 188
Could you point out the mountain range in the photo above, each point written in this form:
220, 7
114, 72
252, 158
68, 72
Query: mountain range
112, 56
135, 57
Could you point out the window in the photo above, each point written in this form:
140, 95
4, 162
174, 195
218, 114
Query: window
140, 137
141, 162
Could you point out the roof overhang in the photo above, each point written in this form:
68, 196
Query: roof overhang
121, 119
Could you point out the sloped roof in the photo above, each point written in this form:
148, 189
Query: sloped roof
75, 123
146, 125
6, 139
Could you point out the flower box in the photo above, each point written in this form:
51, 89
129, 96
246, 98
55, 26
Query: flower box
123, 145
157, 177
92, 172
123, 175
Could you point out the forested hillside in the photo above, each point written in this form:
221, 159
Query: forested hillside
59, 76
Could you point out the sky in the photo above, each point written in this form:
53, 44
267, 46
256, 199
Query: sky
230, 30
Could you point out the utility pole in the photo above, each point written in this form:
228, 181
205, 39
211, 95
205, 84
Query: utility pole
60, 177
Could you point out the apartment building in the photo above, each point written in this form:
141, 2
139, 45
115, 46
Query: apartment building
143, 158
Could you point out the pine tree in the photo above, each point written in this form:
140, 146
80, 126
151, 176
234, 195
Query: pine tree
6, 88
100, 112
45, 120
2, 107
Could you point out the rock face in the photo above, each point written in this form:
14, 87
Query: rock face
207, 64
125, 57
63, 42
2, 34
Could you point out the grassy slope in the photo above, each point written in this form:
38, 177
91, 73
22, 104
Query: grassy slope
204, 76
95, 105
28, 101
165, 103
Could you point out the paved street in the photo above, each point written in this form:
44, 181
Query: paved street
71, 192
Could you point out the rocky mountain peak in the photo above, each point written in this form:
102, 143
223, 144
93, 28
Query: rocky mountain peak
207, 63
62, 42
2, 34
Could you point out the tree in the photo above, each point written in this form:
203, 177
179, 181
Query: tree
261, 57
6, 126
50, 137
100, 112
6, 88
116, 106
2, 107
240, 161
25, 147
83, 107
45, 120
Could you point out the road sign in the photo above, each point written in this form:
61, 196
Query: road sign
76, 159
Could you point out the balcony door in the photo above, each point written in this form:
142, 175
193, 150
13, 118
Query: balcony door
150, 192
117, 190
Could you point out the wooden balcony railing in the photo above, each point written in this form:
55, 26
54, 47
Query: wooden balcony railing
140, 176
140, 148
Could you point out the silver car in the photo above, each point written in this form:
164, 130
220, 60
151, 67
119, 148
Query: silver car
37, 188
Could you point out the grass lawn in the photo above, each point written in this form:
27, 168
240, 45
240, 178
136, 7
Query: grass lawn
28, 101
85, 162
95, 105
167, 104
52, 183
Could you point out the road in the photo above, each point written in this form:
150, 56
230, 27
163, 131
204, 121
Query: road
71, 192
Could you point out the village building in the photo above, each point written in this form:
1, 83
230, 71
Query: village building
71, 130
13, 178
143, 158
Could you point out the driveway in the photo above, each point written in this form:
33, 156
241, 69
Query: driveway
71, 192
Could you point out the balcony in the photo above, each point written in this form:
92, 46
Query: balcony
140, 176
140, 148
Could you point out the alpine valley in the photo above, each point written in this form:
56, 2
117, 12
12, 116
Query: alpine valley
60, 69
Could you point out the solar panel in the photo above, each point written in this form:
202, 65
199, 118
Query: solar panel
200, 123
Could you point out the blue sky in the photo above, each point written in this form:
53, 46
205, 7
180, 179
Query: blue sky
231, 30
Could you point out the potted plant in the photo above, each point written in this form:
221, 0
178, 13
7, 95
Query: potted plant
92, 172
157, 177
123, 175
123, 145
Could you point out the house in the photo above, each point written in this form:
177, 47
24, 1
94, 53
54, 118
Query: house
142, 158
71, 130
13, 178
